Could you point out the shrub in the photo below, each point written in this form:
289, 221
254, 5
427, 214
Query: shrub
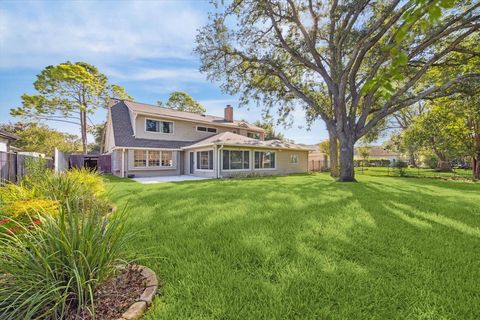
89, 179
49, 270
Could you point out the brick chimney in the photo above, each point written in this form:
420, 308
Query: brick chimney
228, 113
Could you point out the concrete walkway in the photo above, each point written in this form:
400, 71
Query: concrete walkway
148, 180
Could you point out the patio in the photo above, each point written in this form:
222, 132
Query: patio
150, 180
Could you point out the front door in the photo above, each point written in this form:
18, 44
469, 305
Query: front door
191, 162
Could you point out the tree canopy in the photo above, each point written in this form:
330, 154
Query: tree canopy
270, 133
182, 101
36, 137
350, 63
69, 93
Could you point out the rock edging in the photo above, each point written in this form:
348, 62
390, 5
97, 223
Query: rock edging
138, 308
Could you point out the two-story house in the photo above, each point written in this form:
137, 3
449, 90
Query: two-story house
147, 140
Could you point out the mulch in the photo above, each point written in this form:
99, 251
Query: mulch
115, 296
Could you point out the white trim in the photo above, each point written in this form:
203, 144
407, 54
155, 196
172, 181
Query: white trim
204, 126
159, 120
240, 146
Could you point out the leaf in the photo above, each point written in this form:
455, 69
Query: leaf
434, 13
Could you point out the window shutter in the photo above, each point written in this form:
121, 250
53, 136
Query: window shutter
210, 160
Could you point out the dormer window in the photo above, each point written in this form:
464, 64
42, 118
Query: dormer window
206, 129
158, 126
253, 135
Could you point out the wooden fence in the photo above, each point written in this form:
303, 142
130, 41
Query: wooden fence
12, 166
317, 165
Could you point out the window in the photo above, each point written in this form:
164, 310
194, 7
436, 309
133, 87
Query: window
253, 135
264, 160
152, 158
205, 160
236, 160
207, 129
294, 158
159, 126
167, 159
139, 158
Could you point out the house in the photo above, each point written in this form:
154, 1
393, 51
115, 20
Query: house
378, 153
147, 140
5, 139
317, 159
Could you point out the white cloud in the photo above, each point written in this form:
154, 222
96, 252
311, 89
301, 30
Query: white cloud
145, 74
33, 34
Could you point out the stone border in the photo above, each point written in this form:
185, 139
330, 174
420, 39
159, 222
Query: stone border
137, 309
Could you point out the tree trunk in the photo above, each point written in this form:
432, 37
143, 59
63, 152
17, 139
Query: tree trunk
83, 129
411, 156
347, 169
476, 167
333, 153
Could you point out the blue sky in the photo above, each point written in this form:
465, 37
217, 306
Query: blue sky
145, 46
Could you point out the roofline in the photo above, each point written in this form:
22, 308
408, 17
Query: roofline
190, 120
145, 148
9, 135
241, 145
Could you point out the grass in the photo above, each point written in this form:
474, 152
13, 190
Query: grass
306, 247
415, 172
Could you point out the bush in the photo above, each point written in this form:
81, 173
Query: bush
50, 270
89, 179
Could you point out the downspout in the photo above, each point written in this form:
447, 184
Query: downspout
218, 162
123, 163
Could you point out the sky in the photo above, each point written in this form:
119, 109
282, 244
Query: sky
145, 46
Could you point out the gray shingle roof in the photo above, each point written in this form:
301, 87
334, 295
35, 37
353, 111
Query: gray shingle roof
233, 139
123, 132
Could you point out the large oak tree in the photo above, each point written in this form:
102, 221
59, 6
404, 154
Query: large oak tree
350, 63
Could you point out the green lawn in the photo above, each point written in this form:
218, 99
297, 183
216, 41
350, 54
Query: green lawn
415, 172
306, 247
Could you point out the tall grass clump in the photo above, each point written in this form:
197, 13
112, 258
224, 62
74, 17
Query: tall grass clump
52, 270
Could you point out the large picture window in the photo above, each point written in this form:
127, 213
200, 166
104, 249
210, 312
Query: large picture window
264, 160
159, 126
236, 160
205, 160
152, 159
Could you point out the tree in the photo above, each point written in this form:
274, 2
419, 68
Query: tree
364, 152
270, 133
40, 138
444, 131
69, 93
352, 63
182, 101
98, 132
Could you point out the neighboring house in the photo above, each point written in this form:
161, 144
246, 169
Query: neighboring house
5, 139
317, 160
379, 153
147, 140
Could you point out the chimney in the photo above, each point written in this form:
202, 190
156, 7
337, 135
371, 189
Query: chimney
228, 113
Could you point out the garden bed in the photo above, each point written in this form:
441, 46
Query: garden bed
125, 295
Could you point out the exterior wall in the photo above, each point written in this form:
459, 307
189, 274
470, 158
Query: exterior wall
3, 145
317, 160
109, 138
283, 165
182, 130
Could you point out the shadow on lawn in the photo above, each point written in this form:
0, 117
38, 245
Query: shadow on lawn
314, 247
